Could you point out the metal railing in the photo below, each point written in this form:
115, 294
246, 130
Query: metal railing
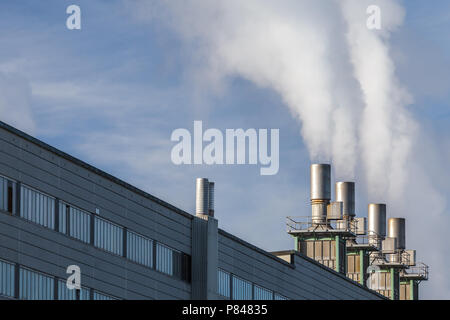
303, 223
368, 239
396, 256
420, 270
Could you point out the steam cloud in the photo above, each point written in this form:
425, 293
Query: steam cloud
338, 79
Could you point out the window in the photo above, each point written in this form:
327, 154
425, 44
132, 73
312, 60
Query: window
262, 293
102, 296
108, 236
6, 279
7, 195
223, 283
65, 293
185, 267
77, 221
139, 249
242, 289
164, 259
35, 285
278, 296
37, 207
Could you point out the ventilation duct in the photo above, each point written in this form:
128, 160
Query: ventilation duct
376, 229
345, 193
396, 229
320, 191
211, 199
202, 197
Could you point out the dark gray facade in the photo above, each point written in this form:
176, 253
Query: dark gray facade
183, 252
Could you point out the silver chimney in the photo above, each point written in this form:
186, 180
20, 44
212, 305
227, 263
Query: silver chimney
320, 191
376, 229
202, 197
345, 193
211, 199
396, 229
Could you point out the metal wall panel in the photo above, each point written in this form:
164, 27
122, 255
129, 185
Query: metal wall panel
305, 279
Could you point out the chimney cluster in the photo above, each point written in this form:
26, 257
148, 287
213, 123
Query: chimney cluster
342, 211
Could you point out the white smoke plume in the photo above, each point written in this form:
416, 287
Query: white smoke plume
339, 81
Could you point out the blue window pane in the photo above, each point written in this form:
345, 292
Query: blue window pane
108, 236
80, 223
37, 207
223, 283
65, 293
35, 285
278, 296
262, 293
139, 249
6, 279
164, 259
242, 289
102, 296
7, 188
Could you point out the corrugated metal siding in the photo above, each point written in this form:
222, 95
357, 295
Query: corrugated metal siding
306, 281
47, 250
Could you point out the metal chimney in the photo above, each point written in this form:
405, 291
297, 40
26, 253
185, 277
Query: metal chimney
345, 193
202, 197
396, 229
211, 199
376, 229
320, 191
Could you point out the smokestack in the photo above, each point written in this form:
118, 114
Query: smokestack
202, 197
376, 223
345, 193
396, 229
211, 199
320, 191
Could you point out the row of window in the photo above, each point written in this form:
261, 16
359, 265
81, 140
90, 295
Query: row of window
56, 214
33, 285
233, 287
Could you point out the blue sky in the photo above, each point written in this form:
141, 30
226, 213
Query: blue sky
113, 92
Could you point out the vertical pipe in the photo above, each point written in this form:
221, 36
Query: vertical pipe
376, 229
320, 191
345, 193
392, 284
202, 197
338, 254
396, 229
211, 199
361, 267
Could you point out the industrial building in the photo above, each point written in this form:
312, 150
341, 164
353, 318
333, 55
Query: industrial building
57, 211
356, 246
